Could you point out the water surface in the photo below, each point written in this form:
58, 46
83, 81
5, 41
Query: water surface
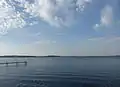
61, 72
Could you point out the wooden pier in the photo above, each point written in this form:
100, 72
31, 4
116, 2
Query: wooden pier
8, 63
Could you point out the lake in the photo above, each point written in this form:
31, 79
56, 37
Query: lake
61, 72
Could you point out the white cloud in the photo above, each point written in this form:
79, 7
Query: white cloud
104, 45
44, 42
106, 39
100, 46
56, 12
16, 13
82, 4
107, 18
38, 49
9, 18
96, 39
113, 39
5, 49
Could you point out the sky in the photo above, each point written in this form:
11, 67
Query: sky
61, 27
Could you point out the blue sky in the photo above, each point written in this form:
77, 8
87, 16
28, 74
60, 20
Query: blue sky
63, 27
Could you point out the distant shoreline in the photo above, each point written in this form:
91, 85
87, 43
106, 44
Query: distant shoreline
28, 56
22, 56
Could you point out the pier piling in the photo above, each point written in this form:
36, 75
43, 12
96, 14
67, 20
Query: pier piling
8, 63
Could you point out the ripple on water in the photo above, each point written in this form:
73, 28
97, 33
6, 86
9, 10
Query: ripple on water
67, 80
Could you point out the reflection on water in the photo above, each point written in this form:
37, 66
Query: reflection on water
62, 72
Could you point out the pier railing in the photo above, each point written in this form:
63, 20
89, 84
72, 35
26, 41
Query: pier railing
8, 63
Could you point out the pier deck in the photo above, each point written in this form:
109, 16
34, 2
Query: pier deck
7, 63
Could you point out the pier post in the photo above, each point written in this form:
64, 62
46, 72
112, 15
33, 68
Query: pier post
25, 63
7, 64
16, 63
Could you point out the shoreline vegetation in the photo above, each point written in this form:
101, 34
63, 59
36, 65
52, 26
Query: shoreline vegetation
27, 56
23, 56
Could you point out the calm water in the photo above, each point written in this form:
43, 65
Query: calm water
61, 72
